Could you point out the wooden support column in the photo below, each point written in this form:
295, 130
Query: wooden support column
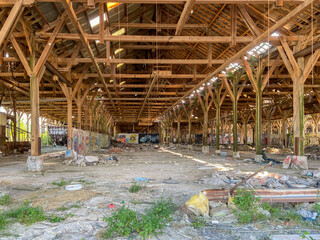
284, 128
235, 92
217, 100
299, 70
258, 83
205, 105
14, 134
188, 110
269, 114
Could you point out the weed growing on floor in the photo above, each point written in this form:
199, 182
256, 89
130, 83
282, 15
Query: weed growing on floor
26, 214
5, 200
135, 188
64, 208
121, 223
247, 205
55, 218
198, 223
61, 183
126, 221
305, 235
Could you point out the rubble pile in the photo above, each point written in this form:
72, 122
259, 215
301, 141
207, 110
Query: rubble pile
245, 148
262, 180
82, 161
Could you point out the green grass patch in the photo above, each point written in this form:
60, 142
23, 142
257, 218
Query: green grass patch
135, 188
64, 208
198, 223
5, 200
125, 221
55, 218
61, 183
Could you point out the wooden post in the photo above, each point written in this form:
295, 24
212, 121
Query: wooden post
258, 122
235, 117
14, 103
69, 113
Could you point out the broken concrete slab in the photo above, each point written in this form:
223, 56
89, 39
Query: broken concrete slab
293, 237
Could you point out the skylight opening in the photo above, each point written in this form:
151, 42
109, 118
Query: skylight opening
94, 22
118, 51
260, 49
119, 65
119, 32
275, 34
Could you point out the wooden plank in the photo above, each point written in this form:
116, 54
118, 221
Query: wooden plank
227, 86
154, 80
184, 15
73, 56
46, 51
248, 20
101, 24
73, 17
233, 24
292, 60
10, 22
309, 65
21, 55
250, 74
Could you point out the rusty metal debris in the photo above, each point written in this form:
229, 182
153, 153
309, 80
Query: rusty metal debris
268, 195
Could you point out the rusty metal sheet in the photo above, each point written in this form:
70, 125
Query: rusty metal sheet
269, 195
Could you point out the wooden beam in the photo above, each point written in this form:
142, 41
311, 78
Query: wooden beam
233, 24
46, 51
184, 15
21, 55
290, 16
248, 20
10, 22
156, 39
154, 80
73, 17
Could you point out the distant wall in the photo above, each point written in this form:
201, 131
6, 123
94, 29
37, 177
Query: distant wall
127, 138
85, 141
136, 138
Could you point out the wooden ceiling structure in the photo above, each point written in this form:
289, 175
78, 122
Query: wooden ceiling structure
149, 56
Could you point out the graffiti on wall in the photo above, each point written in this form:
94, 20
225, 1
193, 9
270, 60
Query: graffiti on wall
148, 138
127, 138
85, 141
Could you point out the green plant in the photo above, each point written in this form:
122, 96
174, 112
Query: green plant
121, 223
5, 200
61, 183
126, 221
245, 199
247, 205
55, 218
304, 235
3, 221
26, 214
198, 223
316, 208
156, 218
135, 188
64, 208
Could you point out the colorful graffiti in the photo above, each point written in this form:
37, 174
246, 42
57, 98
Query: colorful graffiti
148, 138
84, 141
127, 138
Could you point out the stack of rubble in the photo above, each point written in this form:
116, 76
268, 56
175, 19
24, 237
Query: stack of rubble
262, 180
72, 158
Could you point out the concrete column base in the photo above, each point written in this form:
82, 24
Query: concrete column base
258, 158
34, 163
205, 149
236, 154
190, 146
299, 162
218, 151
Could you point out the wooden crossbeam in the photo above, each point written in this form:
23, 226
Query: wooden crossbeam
73, 17
184, 15
154, 80
10, 22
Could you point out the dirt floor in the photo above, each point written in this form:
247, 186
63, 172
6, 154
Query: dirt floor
171, 172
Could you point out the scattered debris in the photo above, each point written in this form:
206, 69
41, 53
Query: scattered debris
73, 187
